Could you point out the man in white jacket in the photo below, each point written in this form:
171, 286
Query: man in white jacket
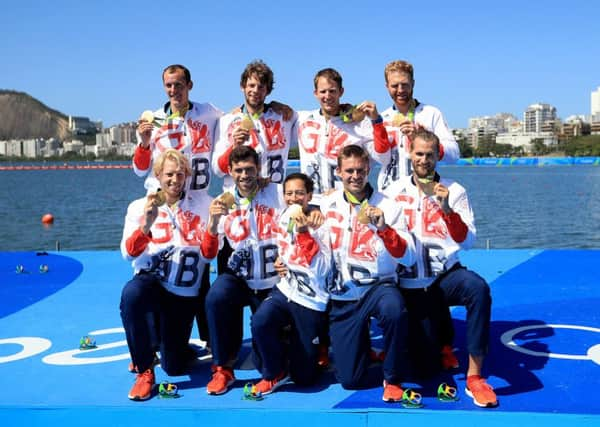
323, 132
441, 220
404, 117
189, 127
248, 222
368, 239
269, 128
163, 237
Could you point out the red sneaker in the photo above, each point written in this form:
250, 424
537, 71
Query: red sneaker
269, 386
392, 392
482, 393
449, 360
222, 379
142, 388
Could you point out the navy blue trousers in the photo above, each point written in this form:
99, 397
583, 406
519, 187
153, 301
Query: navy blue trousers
200, 310
272, 355
225, 304
145, 305
428, 317
350, 341
465, 288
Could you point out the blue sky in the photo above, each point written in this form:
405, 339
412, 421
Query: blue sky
104, 59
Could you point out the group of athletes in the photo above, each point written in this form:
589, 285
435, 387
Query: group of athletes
319, 256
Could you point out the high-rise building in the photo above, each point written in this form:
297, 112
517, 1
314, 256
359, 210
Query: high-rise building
487, 127
538, 114
32, 148
595, 105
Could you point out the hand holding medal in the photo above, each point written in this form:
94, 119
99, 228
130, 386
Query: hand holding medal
242, 133
246, 123
427, 184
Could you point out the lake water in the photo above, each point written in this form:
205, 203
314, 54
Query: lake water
515, 207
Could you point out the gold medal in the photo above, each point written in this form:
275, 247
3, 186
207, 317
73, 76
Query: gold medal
160, 198
427, 180
362, 216
246, 123
295, 210
147, 116
228, 200
398, 119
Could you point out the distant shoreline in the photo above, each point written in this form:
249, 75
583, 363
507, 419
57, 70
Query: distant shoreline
529, 161
64, 166
471, 161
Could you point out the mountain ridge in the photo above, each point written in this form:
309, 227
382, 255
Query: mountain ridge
25, 117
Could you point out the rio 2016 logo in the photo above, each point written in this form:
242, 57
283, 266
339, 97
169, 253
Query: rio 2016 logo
32, 346
593, 353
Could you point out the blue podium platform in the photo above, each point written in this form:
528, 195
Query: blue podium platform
544, 359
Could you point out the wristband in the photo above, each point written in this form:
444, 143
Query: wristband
378, 120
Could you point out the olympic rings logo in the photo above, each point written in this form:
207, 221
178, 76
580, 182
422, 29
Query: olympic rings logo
593, 352
32, 346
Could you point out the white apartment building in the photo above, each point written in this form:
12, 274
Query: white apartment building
536, 115
14, 148
75, 146
123, 133
523, 139
103, 139
490, 126
499, 123
32, 148
115, 134
126, 149
51, 147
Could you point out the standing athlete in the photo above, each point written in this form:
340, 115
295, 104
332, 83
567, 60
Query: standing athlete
404, 118
186, 126
181, 124
257, 124
322, 133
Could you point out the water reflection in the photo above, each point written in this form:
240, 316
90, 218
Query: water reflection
515, 206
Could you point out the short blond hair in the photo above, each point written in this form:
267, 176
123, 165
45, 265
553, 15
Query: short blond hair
174, 155
399, 67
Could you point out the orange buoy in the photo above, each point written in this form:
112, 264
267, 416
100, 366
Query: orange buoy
47, 219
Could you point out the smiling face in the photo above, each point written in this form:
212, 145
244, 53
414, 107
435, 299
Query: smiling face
328, 93
294, 193
177, 88
245, 176
423, 157
400, 87
172, 179
255, 93
354, 173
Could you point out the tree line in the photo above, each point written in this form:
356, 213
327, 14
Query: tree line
580, 146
